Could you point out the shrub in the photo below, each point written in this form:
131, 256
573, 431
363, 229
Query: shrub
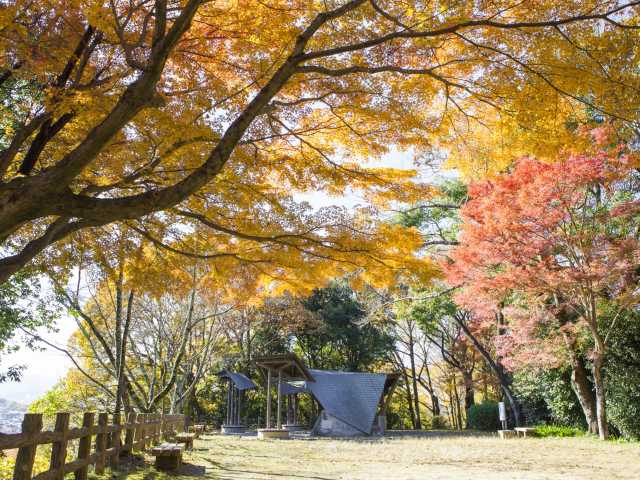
484, 416
622, 367
546, 397
438, 422
557, 431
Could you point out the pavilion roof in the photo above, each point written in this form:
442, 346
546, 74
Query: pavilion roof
350, 396
291, 366
240, 380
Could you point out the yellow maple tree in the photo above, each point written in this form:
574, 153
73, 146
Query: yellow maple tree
197, 123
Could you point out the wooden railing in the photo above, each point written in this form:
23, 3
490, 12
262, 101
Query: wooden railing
140, 431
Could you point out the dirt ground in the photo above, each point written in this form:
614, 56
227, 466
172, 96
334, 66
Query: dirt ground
476, 458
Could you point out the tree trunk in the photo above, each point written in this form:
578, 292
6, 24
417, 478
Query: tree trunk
469, 393
414, 382
598, 380
458, 411
582, 389
581, 386
498, 370
435, 403
122, 356
598, 363
407, 389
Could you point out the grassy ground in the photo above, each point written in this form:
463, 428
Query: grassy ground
477, 458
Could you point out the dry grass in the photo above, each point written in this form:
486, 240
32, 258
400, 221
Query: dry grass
477, 458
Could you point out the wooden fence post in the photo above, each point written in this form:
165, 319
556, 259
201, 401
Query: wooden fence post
138, 432
84, 448
59, 449
157, 428
131, 429
31, 425
101, 438
115, 441
143, 431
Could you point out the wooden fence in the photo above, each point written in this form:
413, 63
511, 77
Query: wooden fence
140, 431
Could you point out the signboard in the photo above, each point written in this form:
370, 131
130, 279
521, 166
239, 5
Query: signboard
503, 412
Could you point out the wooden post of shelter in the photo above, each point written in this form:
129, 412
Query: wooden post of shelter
279, 417
268, 398
289, 368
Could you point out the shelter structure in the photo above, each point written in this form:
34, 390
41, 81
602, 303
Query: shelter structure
237, 385
285, 368
290, 394
352, 403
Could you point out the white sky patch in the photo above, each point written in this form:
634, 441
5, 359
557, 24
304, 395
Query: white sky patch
43, 368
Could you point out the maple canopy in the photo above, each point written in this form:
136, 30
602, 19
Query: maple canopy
543, 248
199, 123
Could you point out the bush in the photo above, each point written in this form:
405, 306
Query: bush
622, 370
546, 396
557, 431
438, 422
484, 416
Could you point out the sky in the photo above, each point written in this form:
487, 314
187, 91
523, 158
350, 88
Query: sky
45, 368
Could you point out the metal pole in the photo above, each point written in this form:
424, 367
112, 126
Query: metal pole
268, 398
229, 404
236, 394
288, 408
279, 424
233, 405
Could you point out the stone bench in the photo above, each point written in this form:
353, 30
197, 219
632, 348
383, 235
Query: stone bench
504, 434
272, 434
168, 456
186, 438
525, 432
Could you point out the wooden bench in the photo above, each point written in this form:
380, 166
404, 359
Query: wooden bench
187, 439
168, 456
198, 429
525, 432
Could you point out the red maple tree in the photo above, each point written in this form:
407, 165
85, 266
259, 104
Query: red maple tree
541, 247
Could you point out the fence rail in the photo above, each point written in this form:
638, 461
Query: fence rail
140, 431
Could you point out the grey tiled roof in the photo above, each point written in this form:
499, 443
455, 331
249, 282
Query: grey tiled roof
290, 389
351, 397
241, 381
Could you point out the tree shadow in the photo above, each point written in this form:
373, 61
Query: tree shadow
223, 472
191, 470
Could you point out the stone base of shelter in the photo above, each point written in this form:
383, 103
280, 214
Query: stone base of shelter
293, 427
272, 433
328, 425
233, 429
